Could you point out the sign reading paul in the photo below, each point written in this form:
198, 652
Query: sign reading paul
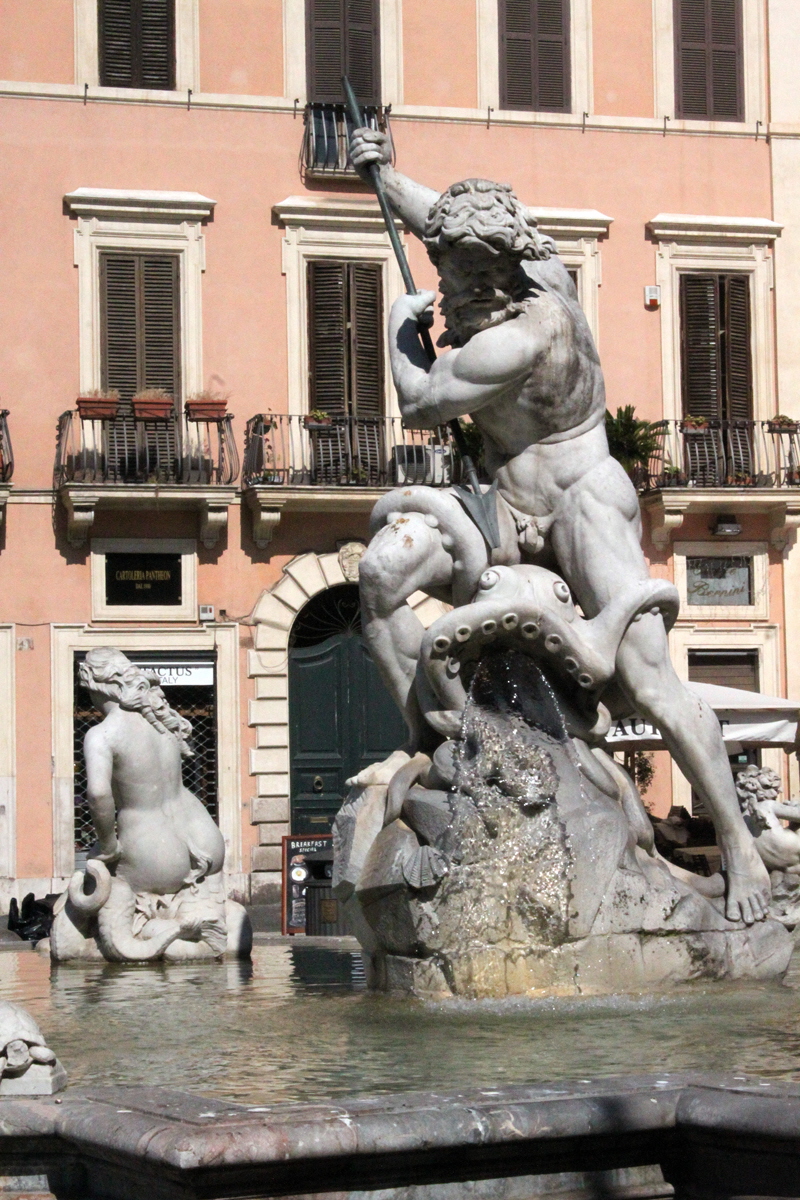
143, 579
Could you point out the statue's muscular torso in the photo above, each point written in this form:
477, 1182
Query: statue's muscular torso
545, 432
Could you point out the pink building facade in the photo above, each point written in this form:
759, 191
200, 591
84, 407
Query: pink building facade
178, 213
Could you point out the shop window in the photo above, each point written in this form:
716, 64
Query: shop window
189, 684
708, 60
719, 581
535, 55
343, 38
136, 40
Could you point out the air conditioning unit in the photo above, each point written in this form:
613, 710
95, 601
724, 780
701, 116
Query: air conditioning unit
423, 464
206, 613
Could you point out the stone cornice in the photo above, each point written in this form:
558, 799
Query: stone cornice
571, 222
684, 227
325, 212
138, 205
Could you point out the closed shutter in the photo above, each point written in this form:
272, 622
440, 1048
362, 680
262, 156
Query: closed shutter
345, 306
343, 38
708, 59
137, 43
717, 371
534, 55
140, 336
700, 346
726, 668
736, 349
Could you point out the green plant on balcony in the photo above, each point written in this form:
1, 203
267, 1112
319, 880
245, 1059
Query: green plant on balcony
782, 424
672, 476
692, 422
631, 440
317, 417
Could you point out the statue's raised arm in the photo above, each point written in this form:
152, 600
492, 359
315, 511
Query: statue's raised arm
410, 200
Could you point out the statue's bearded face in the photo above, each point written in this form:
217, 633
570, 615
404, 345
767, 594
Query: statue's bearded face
479, 287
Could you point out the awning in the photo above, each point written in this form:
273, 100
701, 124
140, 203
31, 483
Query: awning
747, 719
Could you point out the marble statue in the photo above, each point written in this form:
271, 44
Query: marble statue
28, 1067
153, 887
566, 603
758, 789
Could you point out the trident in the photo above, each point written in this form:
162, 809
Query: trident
480, 506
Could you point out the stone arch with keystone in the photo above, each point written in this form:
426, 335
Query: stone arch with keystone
268, 665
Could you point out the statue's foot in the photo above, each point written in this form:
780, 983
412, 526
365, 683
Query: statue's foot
382, 772
749, 892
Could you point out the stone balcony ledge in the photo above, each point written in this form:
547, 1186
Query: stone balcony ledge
210, 501
667, 508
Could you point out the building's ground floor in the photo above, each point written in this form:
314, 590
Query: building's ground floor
261, 649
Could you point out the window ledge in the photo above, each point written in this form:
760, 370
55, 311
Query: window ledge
139, 205
668, 507
684, 227
571, 222
297, 212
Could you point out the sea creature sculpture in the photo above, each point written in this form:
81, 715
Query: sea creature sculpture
27, 1064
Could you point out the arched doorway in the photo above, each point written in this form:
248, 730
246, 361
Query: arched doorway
341, 717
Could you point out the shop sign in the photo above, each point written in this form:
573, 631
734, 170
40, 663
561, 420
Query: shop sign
181, 674
143, 579
295, 876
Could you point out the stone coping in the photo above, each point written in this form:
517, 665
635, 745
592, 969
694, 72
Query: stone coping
136, 1141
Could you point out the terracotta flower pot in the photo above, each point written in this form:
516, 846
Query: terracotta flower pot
783, 426
312, 423
206, 410
153, 410
97, 408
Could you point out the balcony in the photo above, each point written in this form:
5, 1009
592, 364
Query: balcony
293, 463
6, 462
747, 466
326, 140
121, 462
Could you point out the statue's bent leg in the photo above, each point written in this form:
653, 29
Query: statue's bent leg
596, 541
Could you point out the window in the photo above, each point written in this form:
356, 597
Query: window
140, 337
136, 40
724, 581
728, 668
343, 38
716, 367
535, 55
345, 321
708, 60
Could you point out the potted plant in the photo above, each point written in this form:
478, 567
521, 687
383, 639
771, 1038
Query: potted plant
207, 406
672, 476
782, 424
153, 404
99, 404
632, 441
317, 419
692, 423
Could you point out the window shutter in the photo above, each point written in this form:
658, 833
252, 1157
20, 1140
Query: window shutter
159, 323
327, 337
362, 50
326, 50
534, 55
137, 43
700, 348
120, 339
736, 349
708, 59
366, 339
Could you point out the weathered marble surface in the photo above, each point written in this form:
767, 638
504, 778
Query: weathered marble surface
154, 886
28, 1067
529, 868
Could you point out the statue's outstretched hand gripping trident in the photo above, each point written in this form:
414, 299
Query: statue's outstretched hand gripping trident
481, 506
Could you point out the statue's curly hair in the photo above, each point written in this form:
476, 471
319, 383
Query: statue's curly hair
493, 215
755, 784
109, 672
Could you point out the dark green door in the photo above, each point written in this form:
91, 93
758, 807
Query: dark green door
341, 718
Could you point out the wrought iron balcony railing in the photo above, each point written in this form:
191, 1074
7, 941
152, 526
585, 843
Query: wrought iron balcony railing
6, 452
326, 139
292, 451
124, 450
739, 454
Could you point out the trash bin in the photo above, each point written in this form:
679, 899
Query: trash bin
324, 914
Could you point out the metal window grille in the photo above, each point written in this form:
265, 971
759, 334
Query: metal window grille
198, 703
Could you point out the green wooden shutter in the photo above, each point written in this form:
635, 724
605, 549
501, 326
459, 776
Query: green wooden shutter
708, 60
137, 43
366, 339
736, 348
700, 346
534, 55
327, 337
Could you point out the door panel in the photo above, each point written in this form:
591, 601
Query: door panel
341, 719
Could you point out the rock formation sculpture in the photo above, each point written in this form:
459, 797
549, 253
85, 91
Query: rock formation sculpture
153, 887
501, 849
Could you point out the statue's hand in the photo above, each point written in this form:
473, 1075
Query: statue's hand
369, 146
418, 308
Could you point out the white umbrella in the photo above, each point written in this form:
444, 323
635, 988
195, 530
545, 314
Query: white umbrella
747, 718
